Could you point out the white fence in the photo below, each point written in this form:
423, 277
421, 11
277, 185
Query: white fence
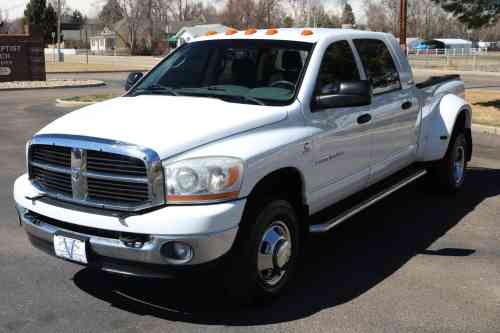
451, 52
467, 59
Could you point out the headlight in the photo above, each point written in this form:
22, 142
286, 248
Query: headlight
206, 179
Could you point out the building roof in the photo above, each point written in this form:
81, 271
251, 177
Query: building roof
453, 41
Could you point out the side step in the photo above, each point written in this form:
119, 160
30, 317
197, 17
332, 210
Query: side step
324, 227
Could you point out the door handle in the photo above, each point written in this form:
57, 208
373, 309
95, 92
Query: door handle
366, 118
406, 105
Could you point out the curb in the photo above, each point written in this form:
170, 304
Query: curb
61, 102
485, 129
90, 85
102, 71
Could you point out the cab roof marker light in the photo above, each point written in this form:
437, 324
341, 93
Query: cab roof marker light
307, 32
231, 31
271, 31
211, 33
250, 31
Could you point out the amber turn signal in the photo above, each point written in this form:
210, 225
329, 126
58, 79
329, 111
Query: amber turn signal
271, 31
250, 31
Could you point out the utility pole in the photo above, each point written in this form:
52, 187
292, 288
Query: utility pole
402, 24
59, 30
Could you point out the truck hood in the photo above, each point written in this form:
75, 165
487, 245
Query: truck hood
167, 124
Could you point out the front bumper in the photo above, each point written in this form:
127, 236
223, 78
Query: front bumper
210, 231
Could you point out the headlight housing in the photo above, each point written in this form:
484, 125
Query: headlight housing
201, 180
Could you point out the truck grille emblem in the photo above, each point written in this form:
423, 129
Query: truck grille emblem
78, 178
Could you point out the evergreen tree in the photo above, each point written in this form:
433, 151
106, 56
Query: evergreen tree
473, 13
41, 17
111, 13
348, 15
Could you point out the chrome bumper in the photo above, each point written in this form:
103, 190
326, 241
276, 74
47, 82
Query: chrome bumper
206, 247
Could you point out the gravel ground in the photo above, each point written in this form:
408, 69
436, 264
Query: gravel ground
67, 83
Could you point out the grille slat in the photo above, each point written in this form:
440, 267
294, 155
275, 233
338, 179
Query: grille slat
113, 163
59, 156
99, 191
118, 188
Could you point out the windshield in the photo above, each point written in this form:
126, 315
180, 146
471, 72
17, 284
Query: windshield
263, 72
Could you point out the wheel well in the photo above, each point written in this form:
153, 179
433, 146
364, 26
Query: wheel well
461, 127
287, 182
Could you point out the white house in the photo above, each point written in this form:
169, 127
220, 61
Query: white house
104, 42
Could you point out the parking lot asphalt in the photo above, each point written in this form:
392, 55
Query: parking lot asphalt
416, 262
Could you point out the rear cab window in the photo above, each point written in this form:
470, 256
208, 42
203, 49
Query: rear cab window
379, 65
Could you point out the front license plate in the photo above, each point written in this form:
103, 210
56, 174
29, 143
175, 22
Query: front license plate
70, 248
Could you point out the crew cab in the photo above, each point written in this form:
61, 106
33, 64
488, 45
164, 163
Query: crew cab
234, 148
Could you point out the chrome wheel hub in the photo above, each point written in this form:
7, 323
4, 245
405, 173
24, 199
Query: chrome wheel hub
459, 165
275, 251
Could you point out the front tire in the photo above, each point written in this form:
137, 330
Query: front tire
450, 172
265, 255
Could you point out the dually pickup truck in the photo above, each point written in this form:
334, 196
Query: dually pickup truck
229, 152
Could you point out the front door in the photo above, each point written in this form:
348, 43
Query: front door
342, 146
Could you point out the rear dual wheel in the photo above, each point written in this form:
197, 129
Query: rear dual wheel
450, 172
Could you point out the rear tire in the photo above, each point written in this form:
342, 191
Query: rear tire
265, 254
449, 173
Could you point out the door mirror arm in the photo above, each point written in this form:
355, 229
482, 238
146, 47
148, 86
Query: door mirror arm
132, 79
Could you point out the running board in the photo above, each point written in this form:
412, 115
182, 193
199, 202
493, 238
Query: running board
324, 227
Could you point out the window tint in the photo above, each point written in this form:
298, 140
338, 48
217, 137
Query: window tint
241, 71
378, 64
338, 64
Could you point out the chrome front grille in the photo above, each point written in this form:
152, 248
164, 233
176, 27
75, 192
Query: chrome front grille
96, 172
113, 163
52, 181
58, 156
102, 190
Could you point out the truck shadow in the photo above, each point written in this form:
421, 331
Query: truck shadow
337, 267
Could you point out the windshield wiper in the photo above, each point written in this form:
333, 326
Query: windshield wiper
239, 97
243, 98
158, 88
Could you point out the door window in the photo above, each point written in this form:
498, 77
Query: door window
338, 64
379, 65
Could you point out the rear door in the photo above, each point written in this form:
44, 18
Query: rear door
341, 148
394, 110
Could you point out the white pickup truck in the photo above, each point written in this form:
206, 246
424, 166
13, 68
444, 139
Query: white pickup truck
228, 152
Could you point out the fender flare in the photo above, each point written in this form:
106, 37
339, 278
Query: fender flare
438, 123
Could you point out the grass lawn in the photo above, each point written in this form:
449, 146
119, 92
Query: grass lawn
485, 106
89, 98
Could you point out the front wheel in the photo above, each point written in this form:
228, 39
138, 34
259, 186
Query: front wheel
450, 172
265, 254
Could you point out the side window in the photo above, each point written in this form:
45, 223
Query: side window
338, 64
378, 64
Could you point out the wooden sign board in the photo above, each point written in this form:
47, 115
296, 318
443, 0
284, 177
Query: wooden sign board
21, 59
